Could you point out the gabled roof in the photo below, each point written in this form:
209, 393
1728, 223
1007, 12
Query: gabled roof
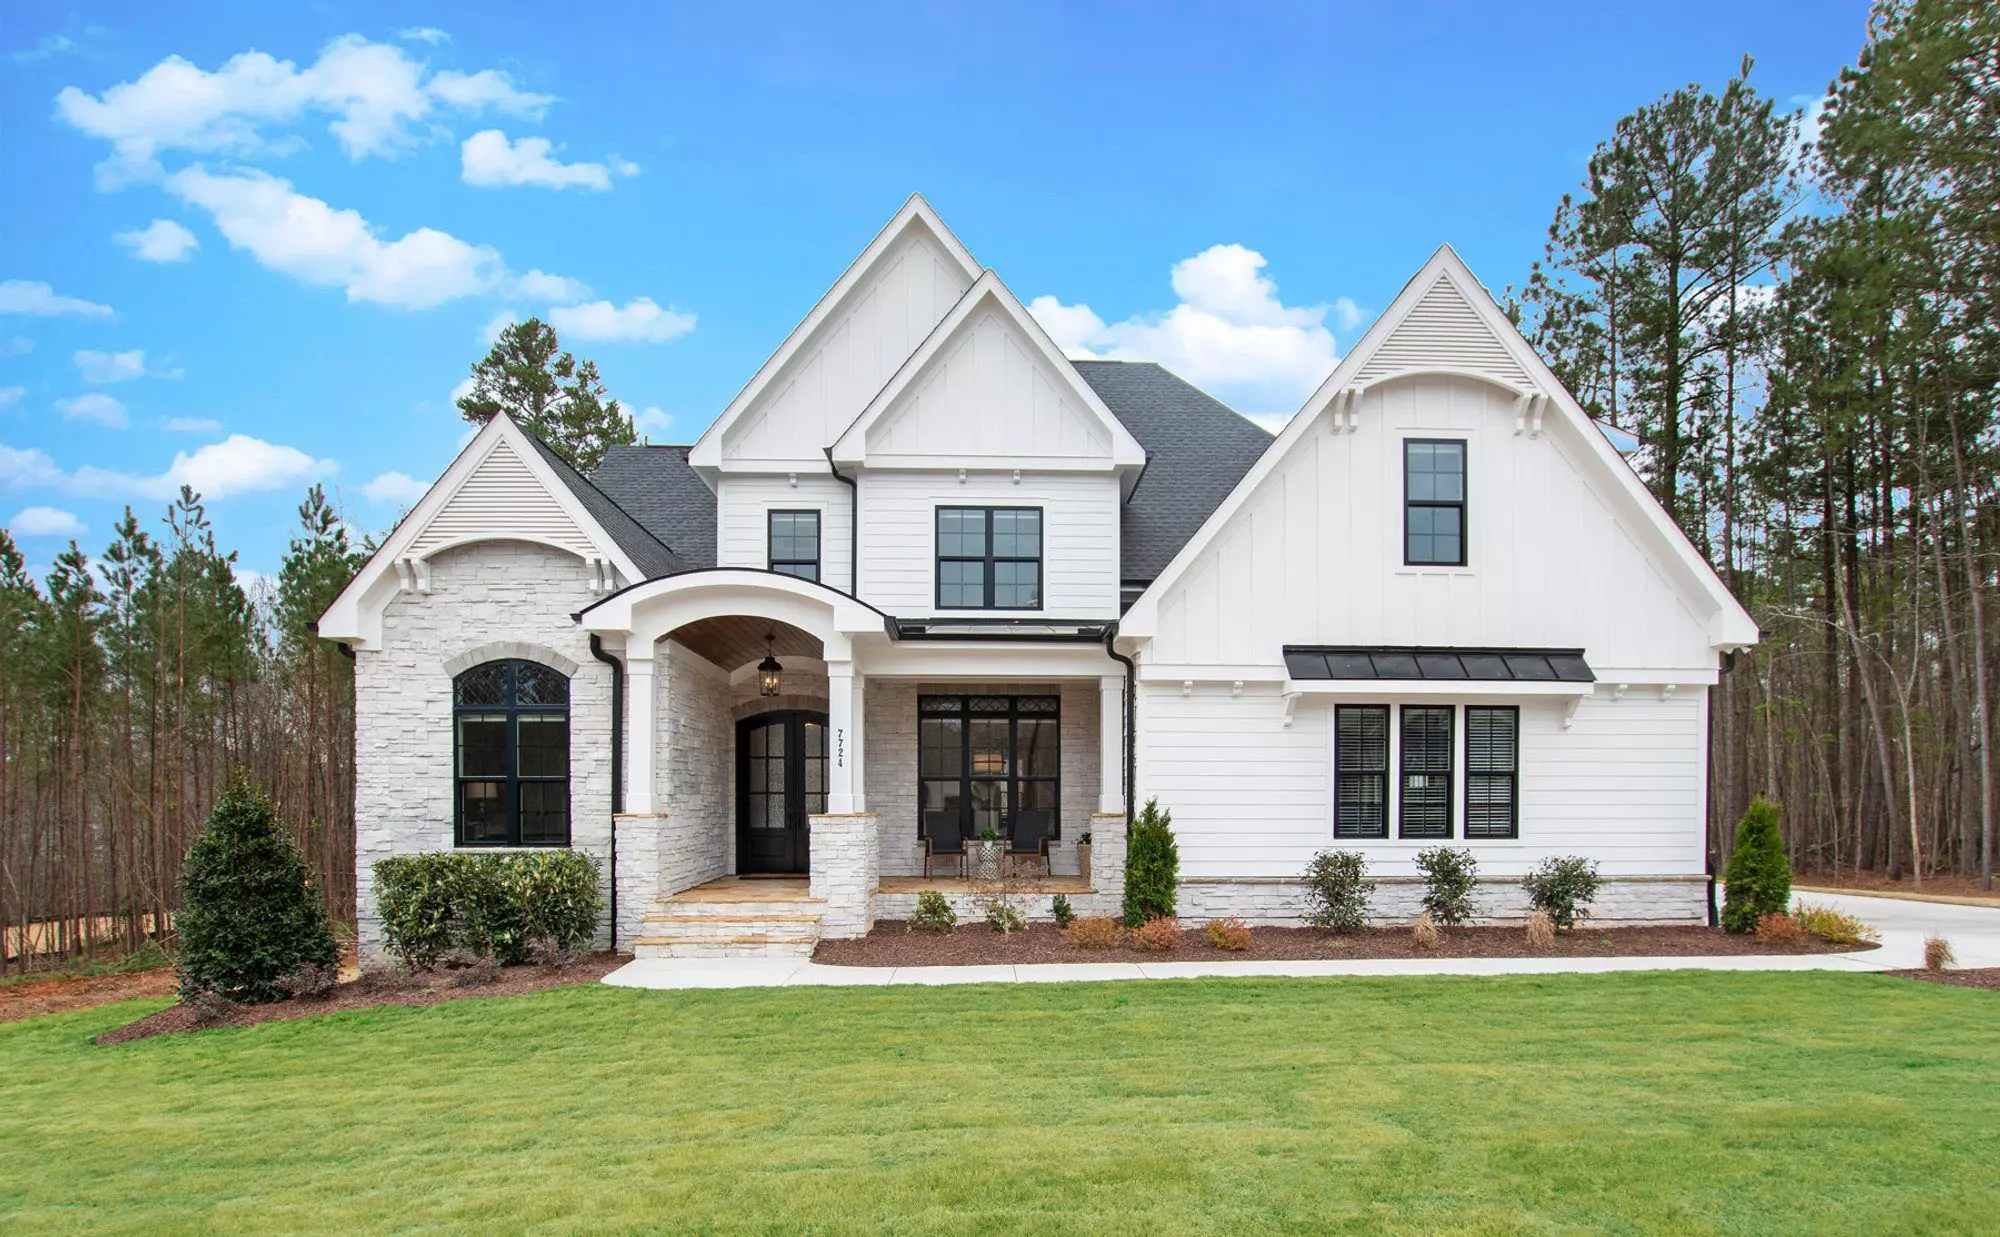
987, 292
657, 486
1456, 327
647, 552
915, 212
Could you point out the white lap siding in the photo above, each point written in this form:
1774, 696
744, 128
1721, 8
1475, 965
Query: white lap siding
489, 592
746, 504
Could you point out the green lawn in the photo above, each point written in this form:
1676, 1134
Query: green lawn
1681, 1103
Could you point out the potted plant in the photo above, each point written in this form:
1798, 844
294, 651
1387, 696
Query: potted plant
984, 853
1083, 854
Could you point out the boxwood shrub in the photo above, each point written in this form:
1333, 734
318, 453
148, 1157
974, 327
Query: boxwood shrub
505, 908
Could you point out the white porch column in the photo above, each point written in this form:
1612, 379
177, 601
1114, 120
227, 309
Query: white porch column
841, 741
857, 749
1111, 738
639, 740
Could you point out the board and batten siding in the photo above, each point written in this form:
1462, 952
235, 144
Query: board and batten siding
744, 504
502, 497
1316, 554
1079, 538
1253, 797
851, 355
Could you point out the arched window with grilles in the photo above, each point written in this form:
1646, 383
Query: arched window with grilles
510, 722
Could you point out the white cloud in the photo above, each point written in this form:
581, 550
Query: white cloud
101, 367
395, 488
459, 392
639, 321
30, 467
624, 167
542, 286
424, 34
488, 159
45, 522
373, 93
311, 241
239, 464
19, 345
651, 421
490, 333
1229, 333
162, 240
257, 585
11, 395
50, 45
1273, 423
21, 296
191, 425
94, 406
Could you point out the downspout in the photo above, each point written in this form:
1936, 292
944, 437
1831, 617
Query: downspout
1708, 772
1131, 701
617, 765
853, 526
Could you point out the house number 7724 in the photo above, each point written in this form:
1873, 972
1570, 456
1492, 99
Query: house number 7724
840, 748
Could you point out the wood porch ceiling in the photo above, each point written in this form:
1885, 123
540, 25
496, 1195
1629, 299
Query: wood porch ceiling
738, 640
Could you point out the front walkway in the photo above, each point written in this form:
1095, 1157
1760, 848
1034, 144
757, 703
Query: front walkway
1974, 933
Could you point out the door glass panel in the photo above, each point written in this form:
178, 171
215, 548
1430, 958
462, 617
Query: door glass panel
815, 767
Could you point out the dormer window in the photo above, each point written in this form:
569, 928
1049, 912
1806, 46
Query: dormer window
989, 558
1434, 502
794, 543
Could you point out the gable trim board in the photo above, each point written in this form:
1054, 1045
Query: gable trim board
400, 565
1729, 626
987, 294
707, 452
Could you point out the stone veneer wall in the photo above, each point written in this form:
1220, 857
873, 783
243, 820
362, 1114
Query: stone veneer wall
846, 869
694, 775
1398, 900
890, 767
516, 597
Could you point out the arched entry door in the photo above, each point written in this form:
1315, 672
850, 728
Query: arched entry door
780, 780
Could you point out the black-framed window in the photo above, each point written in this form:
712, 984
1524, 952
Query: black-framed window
1434, 502
1492, 771
1361, 771
987, 757
510, 724
1423, 792
793, 537
989, 558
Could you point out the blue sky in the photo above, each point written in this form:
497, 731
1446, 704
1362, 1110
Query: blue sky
254, 245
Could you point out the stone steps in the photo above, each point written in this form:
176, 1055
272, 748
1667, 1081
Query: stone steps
686, 927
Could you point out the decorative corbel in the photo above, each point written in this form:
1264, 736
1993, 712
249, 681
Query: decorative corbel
406, 579
1236, 687
1535, 407
961, 476
1291, 704
1667, 690
421, 568
1187, 687
1569, 711
1618, 692
1521, 413
793, 479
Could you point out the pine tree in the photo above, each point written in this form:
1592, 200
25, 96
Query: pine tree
550, 393
1759, 880
1152, 866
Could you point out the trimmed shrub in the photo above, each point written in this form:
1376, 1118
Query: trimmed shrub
414, 894
933, 913
1780, 929
1004, 919
1230, 934
1337, 891
1095, 933
1152, 866
1937, 953
1059, 908
1157, 935
501, 908
1425, 932
1758, 881
1564, 888
1541, 929
1449, 876
1835, 927
250, 923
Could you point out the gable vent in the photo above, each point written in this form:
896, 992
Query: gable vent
502, 498
1442, 331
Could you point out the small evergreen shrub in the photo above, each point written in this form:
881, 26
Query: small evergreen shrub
1937, 953
1152, 867
1337, 891
1095, 933
1004, 919
1564, 888
933, 913
250, 923
1425, 932
415, 894
499, 908
1449, 876
1758, 881
1059, 908
1541, 929
1157, 935
1230, 934
1781, 930
1835, 927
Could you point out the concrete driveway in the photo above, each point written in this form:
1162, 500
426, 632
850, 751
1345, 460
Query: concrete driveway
1974, 931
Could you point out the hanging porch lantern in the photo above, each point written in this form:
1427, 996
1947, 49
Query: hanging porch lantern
770, 673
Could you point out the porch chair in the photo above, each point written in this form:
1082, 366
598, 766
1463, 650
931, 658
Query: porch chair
944, 835
1030, 837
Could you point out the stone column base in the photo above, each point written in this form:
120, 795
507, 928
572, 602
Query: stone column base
846, 870
1107, 858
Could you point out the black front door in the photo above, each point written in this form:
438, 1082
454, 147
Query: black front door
780, 779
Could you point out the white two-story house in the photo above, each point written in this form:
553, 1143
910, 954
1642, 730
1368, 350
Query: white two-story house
926, 578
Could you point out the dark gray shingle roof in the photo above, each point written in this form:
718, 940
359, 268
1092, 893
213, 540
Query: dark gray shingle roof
657, 488
645, 550
1197, 449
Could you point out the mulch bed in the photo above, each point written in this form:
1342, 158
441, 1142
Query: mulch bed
375, 988
1987, 977
31, 998
891, 944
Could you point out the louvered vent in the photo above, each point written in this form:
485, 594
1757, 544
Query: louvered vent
1442, 330
502, 497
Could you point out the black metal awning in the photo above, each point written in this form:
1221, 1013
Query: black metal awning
1436, 663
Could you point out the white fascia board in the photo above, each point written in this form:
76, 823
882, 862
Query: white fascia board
1403, 689
1730, 625
1168, 672
707, 450
852, 446
355, 617
987, 663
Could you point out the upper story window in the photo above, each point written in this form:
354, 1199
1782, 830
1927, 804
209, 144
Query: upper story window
511, 723
989, 558
794, 543
1434, 502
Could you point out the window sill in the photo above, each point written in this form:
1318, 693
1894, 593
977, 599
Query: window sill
512, 845
1427, 570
